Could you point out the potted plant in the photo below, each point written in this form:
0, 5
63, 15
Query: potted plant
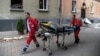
20, 26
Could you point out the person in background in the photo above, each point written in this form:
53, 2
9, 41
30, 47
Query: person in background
32, 26
76, 24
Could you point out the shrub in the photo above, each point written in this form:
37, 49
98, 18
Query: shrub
20, 26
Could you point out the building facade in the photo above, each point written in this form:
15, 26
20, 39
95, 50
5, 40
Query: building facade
60, 11
82, 8
12, 9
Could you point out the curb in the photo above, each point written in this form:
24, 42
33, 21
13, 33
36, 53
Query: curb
10, 39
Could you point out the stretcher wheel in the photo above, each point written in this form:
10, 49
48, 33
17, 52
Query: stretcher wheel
68, 33
50, 53
44, 49
65, 47
58, 44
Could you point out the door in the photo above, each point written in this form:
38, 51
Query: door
83, 13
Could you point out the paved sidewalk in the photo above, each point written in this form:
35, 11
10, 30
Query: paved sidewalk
8, 34
11, 35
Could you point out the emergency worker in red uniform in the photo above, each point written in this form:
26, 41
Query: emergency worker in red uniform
76, 24
32, 26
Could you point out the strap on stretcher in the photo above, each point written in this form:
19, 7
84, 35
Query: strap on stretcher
53, 29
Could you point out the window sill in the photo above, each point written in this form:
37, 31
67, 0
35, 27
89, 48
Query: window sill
73, 11
17, 10
43, 10
91, 12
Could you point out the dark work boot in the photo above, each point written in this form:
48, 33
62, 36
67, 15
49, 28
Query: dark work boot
37, 44
77, 40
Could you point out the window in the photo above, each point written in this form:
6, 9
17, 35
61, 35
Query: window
73, 5
92, 8
43, 5
16, 4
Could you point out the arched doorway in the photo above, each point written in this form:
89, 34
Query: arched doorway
83, 11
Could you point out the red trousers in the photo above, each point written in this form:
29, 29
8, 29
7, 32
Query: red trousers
31, 36
76, 33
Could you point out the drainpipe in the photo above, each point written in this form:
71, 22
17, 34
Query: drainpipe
60, 12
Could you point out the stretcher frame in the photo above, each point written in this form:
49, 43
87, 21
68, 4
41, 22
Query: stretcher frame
47, 35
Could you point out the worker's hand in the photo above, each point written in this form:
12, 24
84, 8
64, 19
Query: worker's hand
36, 28
25, 31
74, 27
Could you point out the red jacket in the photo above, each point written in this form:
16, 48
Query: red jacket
76, 22
32, 24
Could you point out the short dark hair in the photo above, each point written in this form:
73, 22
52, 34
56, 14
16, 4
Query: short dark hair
74, 15
27, 13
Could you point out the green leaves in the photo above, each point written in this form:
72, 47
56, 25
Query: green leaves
20, 25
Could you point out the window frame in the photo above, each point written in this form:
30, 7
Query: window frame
74, 9
92, 8
16, 9
43, 6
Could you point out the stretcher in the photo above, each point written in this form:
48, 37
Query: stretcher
47, 32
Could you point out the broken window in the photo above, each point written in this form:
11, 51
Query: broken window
16, 4
43, 4
73, 5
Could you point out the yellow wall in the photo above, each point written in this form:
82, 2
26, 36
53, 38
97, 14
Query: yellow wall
67, 8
